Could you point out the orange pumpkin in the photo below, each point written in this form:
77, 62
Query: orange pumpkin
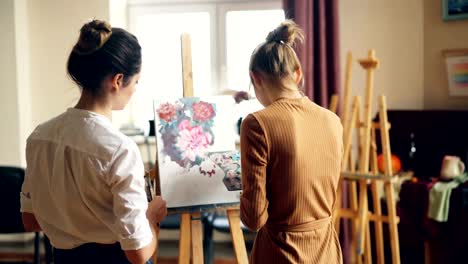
396, 163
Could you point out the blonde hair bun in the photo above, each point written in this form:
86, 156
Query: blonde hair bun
287, 32
93, 35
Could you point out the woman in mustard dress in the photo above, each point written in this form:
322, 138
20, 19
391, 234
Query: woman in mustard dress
291, 155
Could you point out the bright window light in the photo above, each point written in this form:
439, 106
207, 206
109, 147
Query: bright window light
245, 30
161, 75
223, 35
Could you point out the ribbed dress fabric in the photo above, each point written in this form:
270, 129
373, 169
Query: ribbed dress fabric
291, 156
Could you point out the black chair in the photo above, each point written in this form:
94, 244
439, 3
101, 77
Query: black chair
11, 180
171, 222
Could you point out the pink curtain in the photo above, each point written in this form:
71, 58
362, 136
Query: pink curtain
320, 54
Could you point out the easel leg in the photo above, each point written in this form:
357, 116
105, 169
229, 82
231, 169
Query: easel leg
197, 238
184, 243
347, 157
368, 250
355, 123
363, 217
376, 202
378, 224
392, 217
369, 64
392, 223
237, 236
353, 200
190, 225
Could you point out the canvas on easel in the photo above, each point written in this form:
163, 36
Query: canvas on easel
191, 239
192, 134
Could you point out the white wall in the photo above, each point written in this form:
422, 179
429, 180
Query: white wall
118, 13
36, 38
395, 30
9, 140
440, 35
54, 28
23, 75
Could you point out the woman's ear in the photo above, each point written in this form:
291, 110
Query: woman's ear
256, 80
298, 75
117, 82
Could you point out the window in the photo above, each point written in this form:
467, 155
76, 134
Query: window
223, 32
240, 42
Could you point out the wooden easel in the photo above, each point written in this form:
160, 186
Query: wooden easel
367, 155
191, 238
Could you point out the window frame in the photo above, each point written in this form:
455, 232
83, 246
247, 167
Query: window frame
218, 10
134, 11
223, 9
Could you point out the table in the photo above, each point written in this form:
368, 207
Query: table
423, 240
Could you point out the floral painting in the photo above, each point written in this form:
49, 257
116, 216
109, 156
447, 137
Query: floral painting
190, 133
186, 130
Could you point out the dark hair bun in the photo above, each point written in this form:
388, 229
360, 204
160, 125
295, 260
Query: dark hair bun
287, 32
102, 51
93, 35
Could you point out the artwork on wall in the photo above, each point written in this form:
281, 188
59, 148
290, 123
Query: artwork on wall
454, 9
198, 164
457, 72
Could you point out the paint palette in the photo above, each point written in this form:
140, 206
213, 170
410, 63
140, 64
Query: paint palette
229, 162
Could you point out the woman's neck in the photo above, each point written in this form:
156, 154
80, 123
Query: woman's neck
94, 104
288, 95
284, 94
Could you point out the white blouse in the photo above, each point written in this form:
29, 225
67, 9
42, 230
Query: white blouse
84, 183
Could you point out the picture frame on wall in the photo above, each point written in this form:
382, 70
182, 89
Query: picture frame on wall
454, 9
457, 71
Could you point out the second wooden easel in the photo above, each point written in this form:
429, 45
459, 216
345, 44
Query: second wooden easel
367, 155
191, 238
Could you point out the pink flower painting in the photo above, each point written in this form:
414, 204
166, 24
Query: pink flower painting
197, 166
167, 112
185, 128
202, 111
192, 142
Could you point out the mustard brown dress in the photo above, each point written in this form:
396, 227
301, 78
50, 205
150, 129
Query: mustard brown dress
291, 156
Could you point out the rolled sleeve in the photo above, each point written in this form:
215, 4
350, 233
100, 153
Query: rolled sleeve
129, 197
254, 159
137, 240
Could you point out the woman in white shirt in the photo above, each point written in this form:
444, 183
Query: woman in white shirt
84, 184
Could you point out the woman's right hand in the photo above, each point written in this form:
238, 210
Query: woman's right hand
157, 210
